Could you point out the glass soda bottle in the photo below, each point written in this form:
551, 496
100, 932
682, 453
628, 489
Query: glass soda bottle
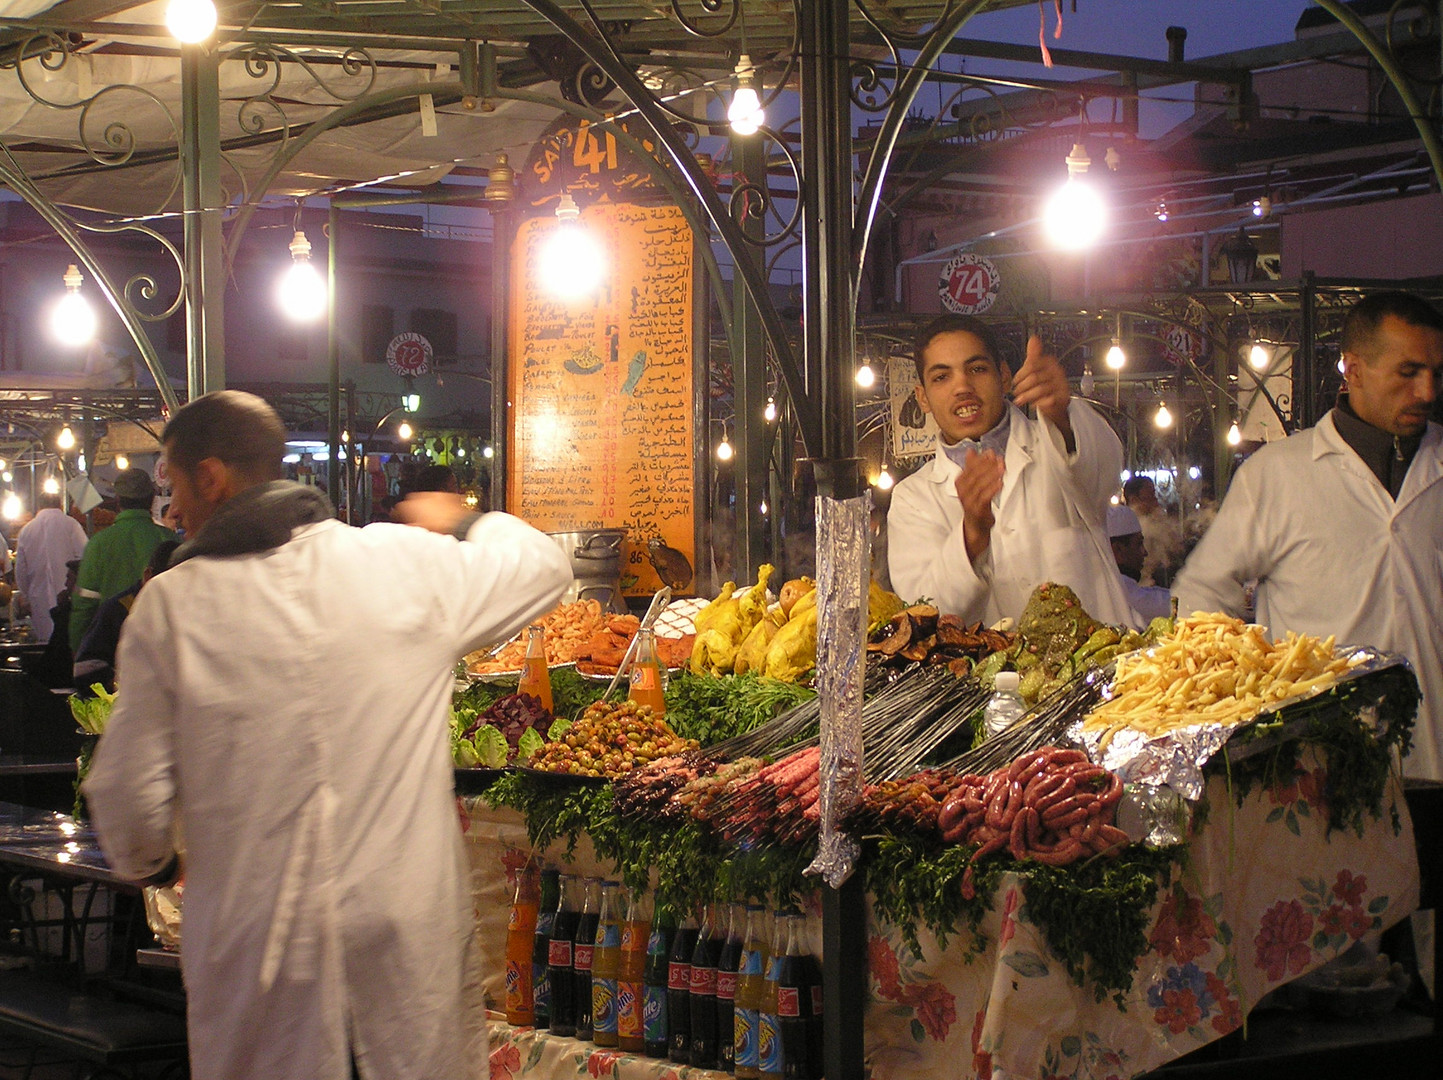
648, 685
606, 966
535, 674
751, 974
560, 973
520, 941
769, 1023
631, 981
678, 992
546, 917
728, 959
654, 1008
582, 955
703, 991
799, 986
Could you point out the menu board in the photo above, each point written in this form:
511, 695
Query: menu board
601, 390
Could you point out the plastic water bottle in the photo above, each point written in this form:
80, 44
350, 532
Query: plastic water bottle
1006, 706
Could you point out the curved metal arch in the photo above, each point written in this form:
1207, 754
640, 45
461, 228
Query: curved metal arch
809, 419
903, 95
19, 183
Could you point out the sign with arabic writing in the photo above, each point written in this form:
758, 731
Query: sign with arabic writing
969, 284
588, 160
601, 390
914, 432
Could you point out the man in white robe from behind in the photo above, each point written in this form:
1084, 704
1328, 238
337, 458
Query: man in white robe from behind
282, 716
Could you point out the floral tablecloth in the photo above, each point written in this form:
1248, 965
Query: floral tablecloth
1266, 896
523, 1053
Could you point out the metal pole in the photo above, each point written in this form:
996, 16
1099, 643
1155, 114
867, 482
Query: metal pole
749, 370
204, 247
333, 355
1305, 364
502, 233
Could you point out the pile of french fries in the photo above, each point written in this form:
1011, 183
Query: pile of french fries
567, 629
1213, 669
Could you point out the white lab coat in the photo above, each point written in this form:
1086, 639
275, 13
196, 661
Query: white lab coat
1332, 553
47, 542
286, 713
1149, 601
1049, 526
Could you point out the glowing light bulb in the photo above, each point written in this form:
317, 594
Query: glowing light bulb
1342, 368
866, 377
745, 113
4, 464
460, 451
7, 476
72, 320
12, 507
66, 439
763, 507
302, 292
571, 262
121, 461
1163, 419
80, 462
1194, 473
488, 453
770, 412
190, 20
404, 431
1234, 435
1116, 358
1076, 215
884, 479
1259, 356
51, 486
724, 450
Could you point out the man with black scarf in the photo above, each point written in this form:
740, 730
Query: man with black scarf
282, 719
1341, 525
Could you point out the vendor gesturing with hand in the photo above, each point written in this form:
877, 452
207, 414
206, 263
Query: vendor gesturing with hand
1007, 502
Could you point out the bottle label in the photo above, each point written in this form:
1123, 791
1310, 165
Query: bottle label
629, 1022
629, 937
816, 1001
582, 957
726, 985
608, 936
703, 981
769, 1043
540, 988
514, 999
744, 1038
751, 963
678, 976
644, 677
544, 922
789, 1002
653, 1014
558, 953
603, 1005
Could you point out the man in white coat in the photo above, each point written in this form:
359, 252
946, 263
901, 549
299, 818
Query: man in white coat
1008, 502
282, 719
1341, 525
48, 541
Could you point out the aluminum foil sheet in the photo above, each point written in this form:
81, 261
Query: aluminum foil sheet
1176, 760
843, 570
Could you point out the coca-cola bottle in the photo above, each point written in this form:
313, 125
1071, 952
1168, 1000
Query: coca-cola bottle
703, 992
799, 989
560, 974
678, 992
583, 949
728, 958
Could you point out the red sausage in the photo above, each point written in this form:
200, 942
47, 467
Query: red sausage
1017, 840
1065, 852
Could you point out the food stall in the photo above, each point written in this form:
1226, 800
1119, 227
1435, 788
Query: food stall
1240, 823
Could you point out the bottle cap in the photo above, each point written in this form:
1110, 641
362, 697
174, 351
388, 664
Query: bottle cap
1007, 682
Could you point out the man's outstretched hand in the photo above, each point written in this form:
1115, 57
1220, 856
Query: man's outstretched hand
1041, 381
978, 484
438, 511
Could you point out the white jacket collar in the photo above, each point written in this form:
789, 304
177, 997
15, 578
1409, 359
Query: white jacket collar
1019, 444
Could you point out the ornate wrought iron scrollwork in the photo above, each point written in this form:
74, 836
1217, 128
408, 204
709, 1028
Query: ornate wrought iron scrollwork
727, 10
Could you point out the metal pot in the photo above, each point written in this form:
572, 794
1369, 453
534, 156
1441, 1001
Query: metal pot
595, 557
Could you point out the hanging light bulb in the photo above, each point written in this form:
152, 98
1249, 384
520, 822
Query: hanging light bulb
1234, 435
571, 262
7, 476
488, 453
4, 464
80, 462
1259, 356
73, 320
1163, 419
66, 439
866, 377
121, 461
1089, 383
770, 412
884, 480
745, 113
404, 431
1076, 214
763, 507
190, 21
460, 451
51, 486
1116, 358
302, 291
724, 450
12, 507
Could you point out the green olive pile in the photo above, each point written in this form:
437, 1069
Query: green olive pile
610, 739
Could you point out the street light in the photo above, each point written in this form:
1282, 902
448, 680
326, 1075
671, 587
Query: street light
191, 21
302, 289
73, 320
1242, 256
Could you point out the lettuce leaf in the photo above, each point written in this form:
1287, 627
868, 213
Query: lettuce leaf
530, 742
491, 747
559, 727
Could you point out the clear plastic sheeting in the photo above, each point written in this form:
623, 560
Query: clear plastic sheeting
843, 569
